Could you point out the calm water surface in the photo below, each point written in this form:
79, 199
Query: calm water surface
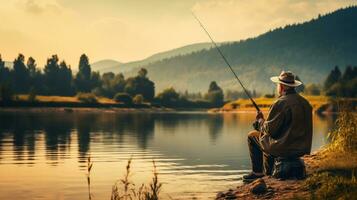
43, 155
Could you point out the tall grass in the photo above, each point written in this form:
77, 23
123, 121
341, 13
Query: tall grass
89, 168
337, 162
124, 189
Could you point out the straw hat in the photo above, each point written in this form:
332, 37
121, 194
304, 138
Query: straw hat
286, 78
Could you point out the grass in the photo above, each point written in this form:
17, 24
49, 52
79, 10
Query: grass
89, 168
264, 103
335, 177
124, 188
40, 98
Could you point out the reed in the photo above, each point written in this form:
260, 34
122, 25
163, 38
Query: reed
337, 162
89, 168
124, 189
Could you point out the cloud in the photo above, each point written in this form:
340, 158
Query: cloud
40, 6
233, 19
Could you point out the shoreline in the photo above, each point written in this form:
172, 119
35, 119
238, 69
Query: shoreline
274, 188
83, 110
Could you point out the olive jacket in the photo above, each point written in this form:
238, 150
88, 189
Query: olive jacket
287, 131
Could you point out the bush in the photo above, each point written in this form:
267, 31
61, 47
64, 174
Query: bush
6, 94
138, 99
87, 97
32, 95
123, 97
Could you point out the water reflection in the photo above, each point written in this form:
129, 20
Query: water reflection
195, 151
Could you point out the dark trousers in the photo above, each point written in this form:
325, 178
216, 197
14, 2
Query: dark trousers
261, 161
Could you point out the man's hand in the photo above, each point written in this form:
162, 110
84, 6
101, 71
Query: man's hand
259, 116
259, 120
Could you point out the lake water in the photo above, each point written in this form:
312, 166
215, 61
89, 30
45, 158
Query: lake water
43, 155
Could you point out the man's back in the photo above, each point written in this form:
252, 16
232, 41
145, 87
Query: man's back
288, 127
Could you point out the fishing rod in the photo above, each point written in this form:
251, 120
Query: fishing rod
226, 61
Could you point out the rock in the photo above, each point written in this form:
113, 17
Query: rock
258, 187
220, 195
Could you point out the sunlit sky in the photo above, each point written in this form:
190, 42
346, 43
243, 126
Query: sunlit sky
127, 30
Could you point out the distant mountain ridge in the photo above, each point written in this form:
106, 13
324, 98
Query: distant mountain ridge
116, 66
309, 49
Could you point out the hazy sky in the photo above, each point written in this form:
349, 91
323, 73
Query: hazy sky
127, 30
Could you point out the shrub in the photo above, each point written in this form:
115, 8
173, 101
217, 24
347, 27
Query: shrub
123, 97
6, 94
138, 99
87, 97
32, 95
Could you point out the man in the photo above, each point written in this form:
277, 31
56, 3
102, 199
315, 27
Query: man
287, 131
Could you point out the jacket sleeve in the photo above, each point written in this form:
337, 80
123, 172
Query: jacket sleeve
272, 125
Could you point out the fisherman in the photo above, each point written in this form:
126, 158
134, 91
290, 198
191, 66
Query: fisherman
287, 131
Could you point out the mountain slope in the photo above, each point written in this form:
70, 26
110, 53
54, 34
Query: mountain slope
309, 49
105, 65
110, 65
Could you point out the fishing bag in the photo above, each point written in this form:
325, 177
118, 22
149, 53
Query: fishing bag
289, 168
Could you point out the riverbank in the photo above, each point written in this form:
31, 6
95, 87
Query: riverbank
84, 110
320, 104
331, 171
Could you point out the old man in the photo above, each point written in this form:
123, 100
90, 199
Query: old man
285, 133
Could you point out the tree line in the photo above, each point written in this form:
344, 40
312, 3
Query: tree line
336, 84
57, 78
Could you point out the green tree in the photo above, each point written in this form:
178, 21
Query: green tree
312, 89
332, 78
215, 94
65, 77
124, 98
83, 77
36, 78
4, 72
51, 76
168, 97
20, 75
138, 99
6, 93
140, 85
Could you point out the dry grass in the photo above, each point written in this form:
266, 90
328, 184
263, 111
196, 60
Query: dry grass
264, 103
336, 164
89, 168
124, 189
102, 100
341, 152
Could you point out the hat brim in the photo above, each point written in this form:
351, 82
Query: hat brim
296, 83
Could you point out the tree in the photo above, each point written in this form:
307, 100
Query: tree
4, 72
140, 85
65, 76
36, 79
83, 77
168, 97
312, 89
20, 75
332, 78
348, 74
124, 98
138, 99
51, 76
6, 94
215, 94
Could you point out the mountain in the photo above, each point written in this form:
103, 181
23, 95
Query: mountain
310, 49
105, 65
116, 67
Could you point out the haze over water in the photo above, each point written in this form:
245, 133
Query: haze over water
43, 155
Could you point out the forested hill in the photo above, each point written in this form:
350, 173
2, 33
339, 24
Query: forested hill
310, 49
117, 67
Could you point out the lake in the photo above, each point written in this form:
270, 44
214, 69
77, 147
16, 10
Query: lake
44, 155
